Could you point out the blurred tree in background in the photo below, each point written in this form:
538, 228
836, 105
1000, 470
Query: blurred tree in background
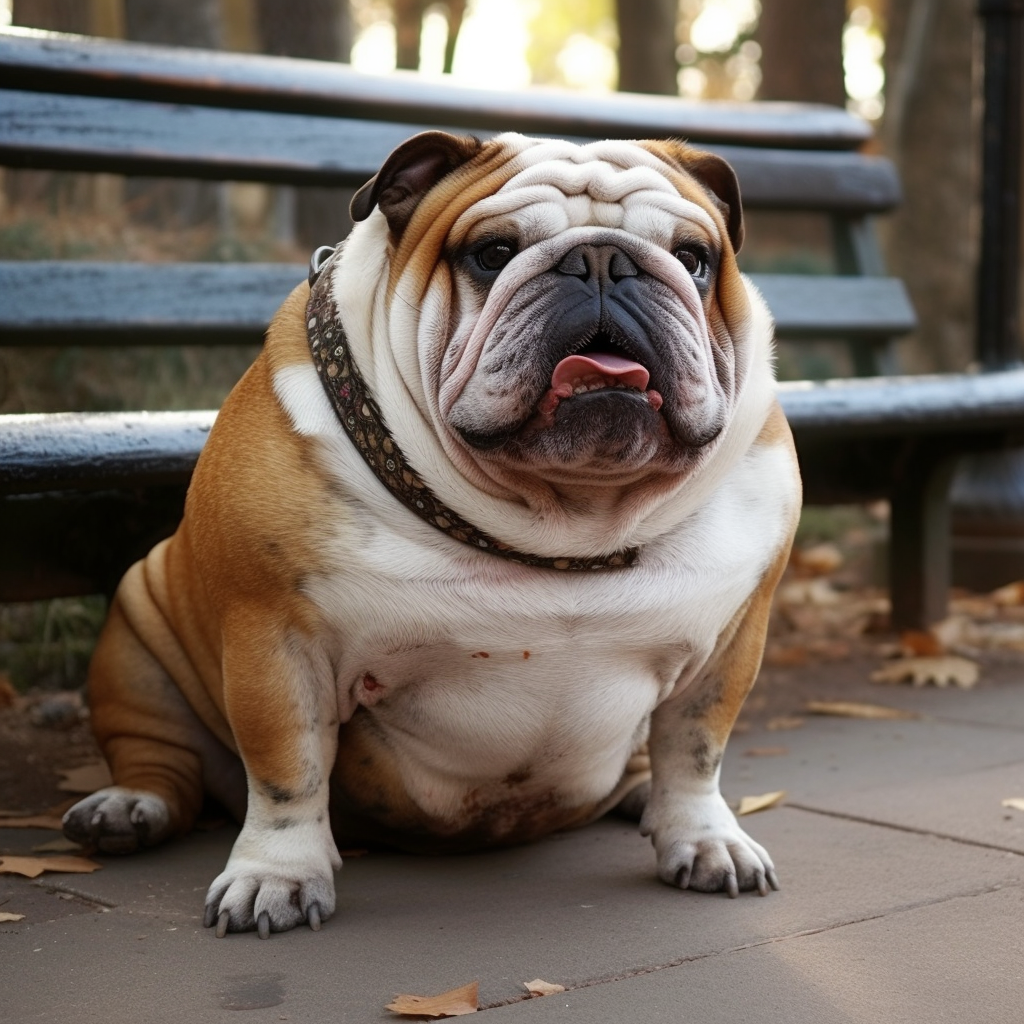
931, 131
802, 51
707, 49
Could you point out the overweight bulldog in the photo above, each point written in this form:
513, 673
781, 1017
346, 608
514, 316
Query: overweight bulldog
500, 507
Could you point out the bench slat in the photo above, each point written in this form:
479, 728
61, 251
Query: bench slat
42, 452
123, 136
71, 302
100, 67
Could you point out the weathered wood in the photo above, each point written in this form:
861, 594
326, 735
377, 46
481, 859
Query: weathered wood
48, 452
84, 303
99, 67
122, 136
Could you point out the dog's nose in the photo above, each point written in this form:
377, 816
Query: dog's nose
604, 262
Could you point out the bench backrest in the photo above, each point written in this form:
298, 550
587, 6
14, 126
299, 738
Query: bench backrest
96, 105
81, 496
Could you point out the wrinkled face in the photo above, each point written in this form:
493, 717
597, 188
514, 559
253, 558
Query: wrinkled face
577, 307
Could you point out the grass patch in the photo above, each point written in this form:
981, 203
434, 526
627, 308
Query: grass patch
47, 644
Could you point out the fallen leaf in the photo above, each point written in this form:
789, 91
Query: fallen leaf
786, 657
766, 752
33, 821
818, 560
854, 709
61, 845
86, 779
1011, 594
456, 1003
4, 916
916, 643
1015, 802
542, 988
816, 592
33, 867
780, 722
8, 694
920, 671
751, 804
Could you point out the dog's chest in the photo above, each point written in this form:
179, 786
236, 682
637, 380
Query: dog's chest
475, 670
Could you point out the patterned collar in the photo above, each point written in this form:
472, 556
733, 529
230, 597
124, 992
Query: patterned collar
362, 420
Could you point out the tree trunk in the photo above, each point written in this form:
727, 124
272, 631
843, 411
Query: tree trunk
647, 46
320, 30
931, 133
408, 31
194, 23
802, 50
54, 15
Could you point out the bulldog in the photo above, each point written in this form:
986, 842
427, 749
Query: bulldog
483, 544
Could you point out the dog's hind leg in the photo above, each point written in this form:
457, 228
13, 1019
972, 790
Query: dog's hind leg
157, 748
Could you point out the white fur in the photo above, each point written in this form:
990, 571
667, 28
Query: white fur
412, 607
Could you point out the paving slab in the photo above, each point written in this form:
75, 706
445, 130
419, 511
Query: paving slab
575, 909
958, 960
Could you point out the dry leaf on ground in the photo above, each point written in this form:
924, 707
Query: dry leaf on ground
961, 672
915, 643
5, 916
456, 1003
86, 779
792, 656
766, 752
752, 804
817, 560
61, 845
542, 988
1015, 802
814, 592
855, 709
33, 867
33, 821
8, 694
1011, 594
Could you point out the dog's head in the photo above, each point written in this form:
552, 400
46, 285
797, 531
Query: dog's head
557, 311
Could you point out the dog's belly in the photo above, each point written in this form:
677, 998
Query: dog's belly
503, 736
500, 712
479, 694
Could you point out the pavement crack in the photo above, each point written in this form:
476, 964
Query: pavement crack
641, 972
77, 894
861, 820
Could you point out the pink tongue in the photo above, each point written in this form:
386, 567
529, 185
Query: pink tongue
623, 371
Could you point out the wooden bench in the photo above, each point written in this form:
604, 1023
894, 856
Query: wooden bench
84, 494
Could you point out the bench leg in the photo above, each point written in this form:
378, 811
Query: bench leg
919, 539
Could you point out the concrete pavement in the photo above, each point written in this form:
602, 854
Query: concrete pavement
902, 900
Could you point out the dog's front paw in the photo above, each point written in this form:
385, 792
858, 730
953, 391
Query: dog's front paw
118, 820
702, 847
272, 891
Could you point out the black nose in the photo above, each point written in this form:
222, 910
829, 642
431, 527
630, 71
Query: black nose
603, 262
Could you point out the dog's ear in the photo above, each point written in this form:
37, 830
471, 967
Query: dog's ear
409, 173
717, 177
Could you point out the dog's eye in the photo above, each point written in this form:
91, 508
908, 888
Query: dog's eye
494, 256
693, 259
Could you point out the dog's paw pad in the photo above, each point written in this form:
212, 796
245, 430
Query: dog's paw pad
247, 898
117, 820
